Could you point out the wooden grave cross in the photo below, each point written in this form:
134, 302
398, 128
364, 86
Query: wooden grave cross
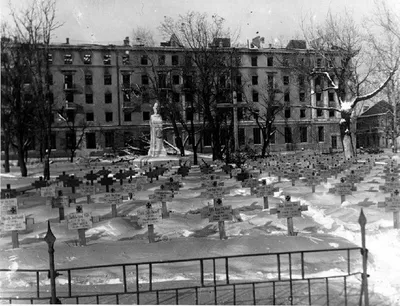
293, 175
183, 170
91, 177
220, 214
392, 204
88, 190
263, 191
313, 179
288, 210
149, 216
151, 173
63, 178
130, 187
250, 183
113, 198
343, 188
215, 190
353, 178
121, 175
10, 219
172, 185
209, 179
60, 201
8, 193
107, 181
162, 195
73, 182
80, 220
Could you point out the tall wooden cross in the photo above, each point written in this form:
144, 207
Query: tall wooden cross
288, 210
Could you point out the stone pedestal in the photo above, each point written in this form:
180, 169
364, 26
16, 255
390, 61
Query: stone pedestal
156, 137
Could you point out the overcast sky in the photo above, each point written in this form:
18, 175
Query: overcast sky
110, 21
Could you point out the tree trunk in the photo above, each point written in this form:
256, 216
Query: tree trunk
6, 153
72, 156
345, 134
265, 143
46, 166
195, 159
21, 161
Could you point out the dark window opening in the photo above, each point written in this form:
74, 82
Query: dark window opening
125, 59
144, 60
270, 61
145, 79
68, 59
107, 79
238, 80
302, 97
109, 116
127, 116
331, 113
89, 98
254, 80
109, 139
319, 112
287, 113
90, 141
303, 134
285, 80
87, 59
107, 59
175, 60
254, 61
108, 98
89, 116
161, 60
321, 137
255, 96
257, 135
288, 134
302, 113
287, 97
88, 79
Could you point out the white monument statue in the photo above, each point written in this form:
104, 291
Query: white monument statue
156, 134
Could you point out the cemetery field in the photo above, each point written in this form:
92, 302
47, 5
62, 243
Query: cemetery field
285, 203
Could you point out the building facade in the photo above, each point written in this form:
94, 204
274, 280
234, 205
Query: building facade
100, 89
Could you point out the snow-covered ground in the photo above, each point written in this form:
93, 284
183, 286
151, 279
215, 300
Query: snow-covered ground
326, 224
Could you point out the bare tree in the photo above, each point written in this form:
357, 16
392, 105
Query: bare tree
143, 36
32, 29
209, 43
339, 57
265, 113
72, 118
384, 35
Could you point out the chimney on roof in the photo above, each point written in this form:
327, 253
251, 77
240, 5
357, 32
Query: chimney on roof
67, 41
126, 41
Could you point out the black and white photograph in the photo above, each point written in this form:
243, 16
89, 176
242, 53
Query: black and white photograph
200, 152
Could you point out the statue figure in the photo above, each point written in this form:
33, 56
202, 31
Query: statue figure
156, 134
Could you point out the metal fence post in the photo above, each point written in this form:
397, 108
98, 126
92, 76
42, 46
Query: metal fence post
363, 221
50, 239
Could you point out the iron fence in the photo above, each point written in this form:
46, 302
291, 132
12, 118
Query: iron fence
297, 277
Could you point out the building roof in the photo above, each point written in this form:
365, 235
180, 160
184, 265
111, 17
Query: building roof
379, 108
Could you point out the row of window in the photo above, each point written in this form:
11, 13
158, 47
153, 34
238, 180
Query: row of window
257, 137
144, 59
